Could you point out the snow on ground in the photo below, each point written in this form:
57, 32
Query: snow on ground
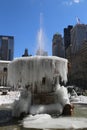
45, 121
79, 99
14, 95
9, 98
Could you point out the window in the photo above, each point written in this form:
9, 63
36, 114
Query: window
5, 69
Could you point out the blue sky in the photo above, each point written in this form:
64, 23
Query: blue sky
23, 19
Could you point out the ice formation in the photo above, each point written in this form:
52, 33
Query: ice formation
46, 122
32, 70
39, 77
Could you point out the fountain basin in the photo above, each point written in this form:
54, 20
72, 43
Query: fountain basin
39, 78
39, 72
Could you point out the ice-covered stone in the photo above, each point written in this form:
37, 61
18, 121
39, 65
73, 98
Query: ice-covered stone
37, 71
39, 78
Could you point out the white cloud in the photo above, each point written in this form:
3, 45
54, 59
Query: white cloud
71, 2
76, 1
68, 3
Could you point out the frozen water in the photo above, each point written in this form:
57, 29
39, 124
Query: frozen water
31, 71
15, 95
38, 75
23, 104
62, 95
9, 98
44, 121
50, 109
79, 99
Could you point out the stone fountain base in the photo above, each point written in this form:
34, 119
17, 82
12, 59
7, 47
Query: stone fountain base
43, 98
39, 78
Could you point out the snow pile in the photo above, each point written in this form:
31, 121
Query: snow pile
83, 99
62, 95
14, 95
23, 104
9, 98
74, 97
79, 99
44, 121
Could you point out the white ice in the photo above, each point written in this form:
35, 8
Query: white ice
44, 121
30, 70
14, 95
23, 104
79, 99
62, 95
51, 109
9, 98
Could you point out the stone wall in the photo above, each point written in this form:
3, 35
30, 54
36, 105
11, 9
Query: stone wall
3, 72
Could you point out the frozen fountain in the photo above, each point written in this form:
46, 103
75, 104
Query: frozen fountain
39, 77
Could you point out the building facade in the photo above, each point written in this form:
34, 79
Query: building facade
57, 46
76, 53
67, 36
78, 36
6, 48
78, 75
41, 52
3, 72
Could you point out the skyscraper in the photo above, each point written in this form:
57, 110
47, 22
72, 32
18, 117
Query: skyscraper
78, 75
78, 56
67, 36
57, 45
78, 36
6, 47
41, 52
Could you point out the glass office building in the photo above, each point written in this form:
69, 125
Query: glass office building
6, 48
57, 46
78, 36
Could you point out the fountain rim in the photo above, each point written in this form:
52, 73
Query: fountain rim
40, 58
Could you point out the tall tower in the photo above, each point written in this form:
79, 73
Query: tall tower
78, 56
57, 45
78, 36
67, 36
6, 47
